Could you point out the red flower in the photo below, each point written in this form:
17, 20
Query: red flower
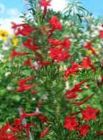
55, 23
73, 92
84, 129
5, 135
66, 43
89, 113
29, 44
45, 3
42, 118
23, 86
72, 70
28, 62
89, 46
22, 29
101, 34
54, 42
86, 63
44, 132
59, 54
70, 123
14, 53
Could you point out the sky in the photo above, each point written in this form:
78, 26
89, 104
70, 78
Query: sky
10, 9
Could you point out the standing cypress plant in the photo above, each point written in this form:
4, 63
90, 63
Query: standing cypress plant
56, 78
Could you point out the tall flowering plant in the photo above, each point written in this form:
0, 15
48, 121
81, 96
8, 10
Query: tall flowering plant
58, 78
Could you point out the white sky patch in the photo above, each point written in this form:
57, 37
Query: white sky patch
58, 5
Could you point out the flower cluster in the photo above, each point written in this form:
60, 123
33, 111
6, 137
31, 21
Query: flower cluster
41, 81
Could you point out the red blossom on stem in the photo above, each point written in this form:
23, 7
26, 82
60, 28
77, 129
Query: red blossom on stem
7, 132
70, 123
101, 34
58, 54
72, 70
86, 63
89, 46
23, 86
44, 132
89, 113
71, 94
45, 3
15, 53
29, 44
84, 129
22, 29
55, 23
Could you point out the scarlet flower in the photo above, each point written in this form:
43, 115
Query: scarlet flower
44, 132
45, 3
101, 34
84, 129
5, 135
66, 43
58, 54
42, 118
54, 42
23, 86
89, 46
28, 62
29, 44
70, 123
55, 23
23, 81
89, 113
70, 94
22, 29
72, 70
86, 63
14, 53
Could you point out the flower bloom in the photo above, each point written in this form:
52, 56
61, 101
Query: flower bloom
70, 94
84, 129
44, 132
89, 113
58, 54
14, 54
101, 34
66, 43
86, 63
45, 3
72, 70
14, 41
3, 34
89, 46
22, 29
23, 86
70, 123
29, 44
55, 23
7, 132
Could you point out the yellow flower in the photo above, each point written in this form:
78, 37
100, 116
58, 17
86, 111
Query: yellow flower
3, 34
15, 41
